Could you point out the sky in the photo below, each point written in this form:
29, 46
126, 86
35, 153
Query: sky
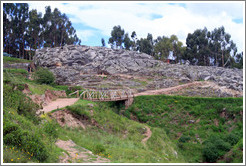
95, 20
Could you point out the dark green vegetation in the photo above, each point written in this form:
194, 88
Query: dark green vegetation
204, 129
23, 28
202, 47
44, 76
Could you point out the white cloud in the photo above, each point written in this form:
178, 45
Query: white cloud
85, 35
175, 19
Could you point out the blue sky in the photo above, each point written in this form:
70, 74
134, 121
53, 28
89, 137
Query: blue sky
95, 20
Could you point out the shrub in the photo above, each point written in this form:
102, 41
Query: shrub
44, 76
232, 138
28, 141
98, 148
184, 138
27, 107
214, 147
50, 128
210, 153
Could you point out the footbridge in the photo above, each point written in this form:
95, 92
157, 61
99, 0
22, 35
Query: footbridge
126, 95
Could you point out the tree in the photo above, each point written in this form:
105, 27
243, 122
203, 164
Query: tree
103, 42
34, 29
127, 42
221, 45
9, 37
210, 48
21, 17
58, 29
134, 41
23, 28
144, 45
197, 51
117, 37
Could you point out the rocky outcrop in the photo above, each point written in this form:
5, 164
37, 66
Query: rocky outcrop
93, 67
98, 60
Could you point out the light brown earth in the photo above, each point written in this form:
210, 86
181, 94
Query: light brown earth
147, 134
176, 90
78, 154
59, 103
169, 90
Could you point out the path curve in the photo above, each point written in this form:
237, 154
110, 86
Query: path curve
59, 103
78, 153
170, 89
147, 134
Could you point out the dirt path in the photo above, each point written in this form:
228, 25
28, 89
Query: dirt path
78, 154
147, 134
169, 90
59, 103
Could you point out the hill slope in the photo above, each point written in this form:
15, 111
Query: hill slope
183, 129
83, 65
204, 129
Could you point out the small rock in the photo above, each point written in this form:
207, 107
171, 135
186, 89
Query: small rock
184, 79
90, 105
191, 121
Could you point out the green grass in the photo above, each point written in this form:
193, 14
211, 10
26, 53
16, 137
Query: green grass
183, 128
190, 117
15, 60
111, 136
19, 76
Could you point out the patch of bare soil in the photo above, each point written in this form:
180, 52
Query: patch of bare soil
59, 103
67, 118
78, 154
147, 134
64, 117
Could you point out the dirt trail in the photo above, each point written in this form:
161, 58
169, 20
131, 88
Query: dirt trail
78, 154
59, 103
169, 90
147, 134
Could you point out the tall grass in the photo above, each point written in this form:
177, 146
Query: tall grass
190, 121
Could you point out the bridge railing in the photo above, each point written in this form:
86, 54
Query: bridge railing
105, 95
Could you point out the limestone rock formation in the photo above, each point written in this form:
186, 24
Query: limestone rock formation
100, 67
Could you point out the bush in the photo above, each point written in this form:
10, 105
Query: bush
28, 141
27, 107
98, 148
50, 128
210, 153
44, 76
232, 138
184, 138
214, 147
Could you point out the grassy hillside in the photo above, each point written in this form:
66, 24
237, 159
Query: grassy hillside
29, 138
184, 129
14, 60
204, 129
